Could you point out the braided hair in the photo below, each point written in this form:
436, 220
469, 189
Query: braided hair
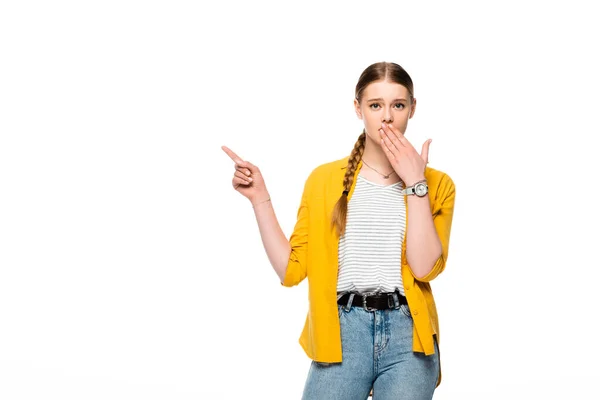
341, 207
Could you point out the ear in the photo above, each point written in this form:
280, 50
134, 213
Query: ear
357, 109
413, 107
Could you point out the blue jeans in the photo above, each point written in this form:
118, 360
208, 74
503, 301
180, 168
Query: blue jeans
377, 354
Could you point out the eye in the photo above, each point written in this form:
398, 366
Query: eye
399, 106
374, 106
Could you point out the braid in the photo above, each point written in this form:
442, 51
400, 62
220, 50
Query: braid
341, 207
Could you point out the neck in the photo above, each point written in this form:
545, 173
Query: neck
375, 156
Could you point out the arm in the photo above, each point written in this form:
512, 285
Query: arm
296, 269
427, 230
428, 235
276, 245
423, 247
248, 181
288, 258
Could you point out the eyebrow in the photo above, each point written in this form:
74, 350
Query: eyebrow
380, 99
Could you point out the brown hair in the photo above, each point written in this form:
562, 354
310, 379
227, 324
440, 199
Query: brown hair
380, 71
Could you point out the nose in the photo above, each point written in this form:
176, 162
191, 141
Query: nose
387, 117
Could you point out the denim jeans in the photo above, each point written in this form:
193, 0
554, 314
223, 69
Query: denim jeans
377, 354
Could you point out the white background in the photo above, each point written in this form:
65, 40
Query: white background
130, 268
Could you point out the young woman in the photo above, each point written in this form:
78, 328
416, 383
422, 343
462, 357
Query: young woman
369, 240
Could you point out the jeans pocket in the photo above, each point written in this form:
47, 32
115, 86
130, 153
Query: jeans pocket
404, 308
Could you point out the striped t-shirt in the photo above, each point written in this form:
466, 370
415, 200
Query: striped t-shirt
370, 248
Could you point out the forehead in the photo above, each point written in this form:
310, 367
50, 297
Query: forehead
386, 90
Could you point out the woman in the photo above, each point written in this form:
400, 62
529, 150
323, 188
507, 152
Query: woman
369, 240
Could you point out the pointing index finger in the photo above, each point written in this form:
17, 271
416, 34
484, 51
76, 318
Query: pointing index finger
232, 155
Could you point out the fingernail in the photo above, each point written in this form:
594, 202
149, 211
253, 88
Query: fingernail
248, 173
383, 124
250, 179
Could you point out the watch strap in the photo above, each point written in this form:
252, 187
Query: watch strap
409, 190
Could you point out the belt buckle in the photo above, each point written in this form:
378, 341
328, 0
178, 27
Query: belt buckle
364, 298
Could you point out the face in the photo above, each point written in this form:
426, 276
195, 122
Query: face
384, 101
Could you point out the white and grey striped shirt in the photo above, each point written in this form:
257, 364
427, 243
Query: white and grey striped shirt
370, 249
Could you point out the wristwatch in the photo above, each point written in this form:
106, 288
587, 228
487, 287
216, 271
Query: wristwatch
419, 189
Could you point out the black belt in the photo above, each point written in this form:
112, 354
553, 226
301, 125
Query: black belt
373, 301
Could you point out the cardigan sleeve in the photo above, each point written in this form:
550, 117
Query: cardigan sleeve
443, 211
297, 264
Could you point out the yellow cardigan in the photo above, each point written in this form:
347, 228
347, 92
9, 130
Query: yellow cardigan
315, 255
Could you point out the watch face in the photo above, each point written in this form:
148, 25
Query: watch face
421, 189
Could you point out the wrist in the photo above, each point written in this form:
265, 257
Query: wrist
417, 188
414, 180
255, 201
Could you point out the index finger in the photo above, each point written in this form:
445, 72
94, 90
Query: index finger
232, 155
398, 134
